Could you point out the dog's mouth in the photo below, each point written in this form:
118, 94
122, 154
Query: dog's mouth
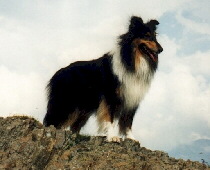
148, 52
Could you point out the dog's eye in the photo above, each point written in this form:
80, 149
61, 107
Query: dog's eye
148, 34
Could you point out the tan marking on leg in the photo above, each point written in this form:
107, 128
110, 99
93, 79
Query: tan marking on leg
105, 124
103, 115
71, 119
103, 112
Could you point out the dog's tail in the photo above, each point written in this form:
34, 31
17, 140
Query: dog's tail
61, 103
46, 121
49, 119
52, 118
56, 115
56, 110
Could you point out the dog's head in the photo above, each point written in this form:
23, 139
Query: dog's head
140, 41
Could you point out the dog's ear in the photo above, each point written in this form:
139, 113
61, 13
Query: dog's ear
135, 23
152, 24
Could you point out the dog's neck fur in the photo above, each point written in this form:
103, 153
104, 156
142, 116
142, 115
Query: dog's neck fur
134, 84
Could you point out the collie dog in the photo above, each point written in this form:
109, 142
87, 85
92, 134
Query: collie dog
111, 87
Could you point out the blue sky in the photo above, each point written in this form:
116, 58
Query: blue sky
39, 37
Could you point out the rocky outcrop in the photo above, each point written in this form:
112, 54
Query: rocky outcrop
26, 144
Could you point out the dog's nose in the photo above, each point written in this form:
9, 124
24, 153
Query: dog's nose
160, 49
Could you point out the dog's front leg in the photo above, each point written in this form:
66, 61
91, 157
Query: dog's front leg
125, 123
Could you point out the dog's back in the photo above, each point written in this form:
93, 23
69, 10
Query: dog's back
74, 92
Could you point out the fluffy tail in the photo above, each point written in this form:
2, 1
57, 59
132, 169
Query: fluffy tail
52, 119
48, 120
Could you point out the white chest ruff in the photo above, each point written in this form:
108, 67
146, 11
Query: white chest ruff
133, 91
134, 85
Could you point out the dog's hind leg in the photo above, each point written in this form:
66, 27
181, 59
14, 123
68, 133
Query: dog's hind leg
106, 122
79, 121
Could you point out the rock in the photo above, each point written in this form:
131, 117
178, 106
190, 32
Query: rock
26, 144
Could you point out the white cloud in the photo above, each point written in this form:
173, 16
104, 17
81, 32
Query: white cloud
198, 63
191, 25
21, 94
207, 149
195, 17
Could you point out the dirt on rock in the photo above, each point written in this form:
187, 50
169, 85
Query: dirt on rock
26, 144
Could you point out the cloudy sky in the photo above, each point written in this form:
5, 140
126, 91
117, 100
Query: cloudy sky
39, 37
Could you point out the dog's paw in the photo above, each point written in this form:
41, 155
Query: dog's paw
130, 136
114, 139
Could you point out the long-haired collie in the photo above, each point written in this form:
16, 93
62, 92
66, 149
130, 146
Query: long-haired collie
111, 87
